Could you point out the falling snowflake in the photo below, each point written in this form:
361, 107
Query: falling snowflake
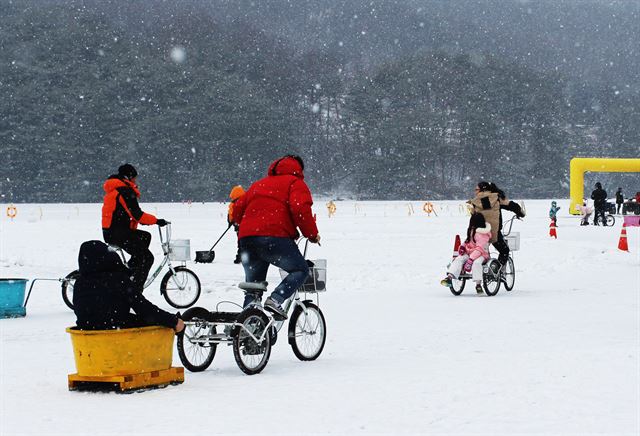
178, 54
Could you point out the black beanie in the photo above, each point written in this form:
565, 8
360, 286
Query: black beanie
484, 186
128, 171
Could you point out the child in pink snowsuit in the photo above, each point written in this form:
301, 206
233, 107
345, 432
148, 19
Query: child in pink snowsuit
585, 211
473, 253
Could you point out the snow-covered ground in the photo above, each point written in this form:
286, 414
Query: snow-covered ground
558, 355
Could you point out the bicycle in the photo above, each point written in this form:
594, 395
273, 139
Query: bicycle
253, 331
494, 274
609, 220
180, 286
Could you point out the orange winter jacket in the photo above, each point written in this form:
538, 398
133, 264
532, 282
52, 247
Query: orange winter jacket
120, 208
236, 192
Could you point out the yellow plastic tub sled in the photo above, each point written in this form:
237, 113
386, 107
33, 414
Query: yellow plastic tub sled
126, 358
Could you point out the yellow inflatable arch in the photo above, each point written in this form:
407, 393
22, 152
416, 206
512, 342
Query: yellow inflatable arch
579, 166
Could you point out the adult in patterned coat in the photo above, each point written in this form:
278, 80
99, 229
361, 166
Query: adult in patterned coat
121, 215
269, 215
103, 295
489, 200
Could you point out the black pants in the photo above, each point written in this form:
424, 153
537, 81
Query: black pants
503, 249
136, 243
618, 207
599, 212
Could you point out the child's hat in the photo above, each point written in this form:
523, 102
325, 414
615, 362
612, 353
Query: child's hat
236, 192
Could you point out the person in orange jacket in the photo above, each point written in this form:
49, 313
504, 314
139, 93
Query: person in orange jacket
235, 194
121, 215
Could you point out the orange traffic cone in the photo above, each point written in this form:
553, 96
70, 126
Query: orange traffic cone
456, 246
552, 230
622, 243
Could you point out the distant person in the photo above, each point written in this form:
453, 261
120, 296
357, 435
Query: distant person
489, 200
473, 253
236, 192
269, 215
619, 200
121, 215
553, 213
599, 197
103, 295
585, 212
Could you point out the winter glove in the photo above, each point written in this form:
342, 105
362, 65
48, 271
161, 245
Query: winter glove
467, 265
315, 240
161, 223
462, 250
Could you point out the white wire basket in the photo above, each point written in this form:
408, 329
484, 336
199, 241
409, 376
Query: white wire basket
317, 280
513, 241
180, 250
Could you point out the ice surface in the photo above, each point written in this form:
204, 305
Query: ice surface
558, 355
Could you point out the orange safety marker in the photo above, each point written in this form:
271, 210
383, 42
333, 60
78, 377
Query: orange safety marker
552, 230
622, 243
456, 246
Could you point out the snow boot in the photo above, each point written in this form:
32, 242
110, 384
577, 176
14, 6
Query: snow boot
276, 309
446, 281
479, 289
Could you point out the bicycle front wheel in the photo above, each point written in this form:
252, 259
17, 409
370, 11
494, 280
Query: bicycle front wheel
181, 289
307, 331
610, 220
250, 353
67, 288
509, 275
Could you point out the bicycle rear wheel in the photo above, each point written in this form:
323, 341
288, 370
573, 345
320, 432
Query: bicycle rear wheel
182, 289
457, 286
252, 356
307, 331
195, 351
491, 278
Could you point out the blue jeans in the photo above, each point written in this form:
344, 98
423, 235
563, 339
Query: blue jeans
258, 252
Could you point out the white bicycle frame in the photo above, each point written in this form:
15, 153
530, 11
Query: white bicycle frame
293, 301
165, 243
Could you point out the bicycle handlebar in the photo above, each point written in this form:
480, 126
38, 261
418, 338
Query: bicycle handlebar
510, 223
168, 232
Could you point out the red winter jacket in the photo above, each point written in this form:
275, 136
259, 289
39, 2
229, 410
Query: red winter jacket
277, 204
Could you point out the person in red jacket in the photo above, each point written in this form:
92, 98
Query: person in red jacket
121, 215
269, 215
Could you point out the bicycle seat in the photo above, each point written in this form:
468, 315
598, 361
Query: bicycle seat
248, 286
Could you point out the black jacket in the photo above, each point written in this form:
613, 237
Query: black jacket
103, 295
512, 206
619, 197
599, 197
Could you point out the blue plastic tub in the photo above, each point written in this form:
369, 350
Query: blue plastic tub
12, 298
